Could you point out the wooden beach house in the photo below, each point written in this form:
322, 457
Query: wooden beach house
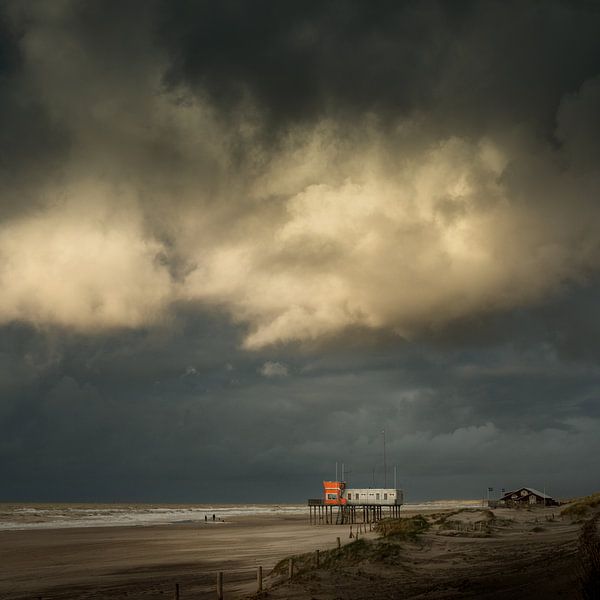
526, 496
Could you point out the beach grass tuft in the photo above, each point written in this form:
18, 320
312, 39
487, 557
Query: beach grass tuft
408, 528
580, 508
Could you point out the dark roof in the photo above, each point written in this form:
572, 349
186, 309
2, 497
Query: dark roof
530, 490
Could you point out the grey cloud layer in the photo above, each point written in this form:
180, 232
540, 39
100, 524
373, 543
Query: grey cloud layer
188, 416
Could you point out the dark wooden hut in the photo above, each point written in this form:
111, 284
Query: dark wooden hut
527, 496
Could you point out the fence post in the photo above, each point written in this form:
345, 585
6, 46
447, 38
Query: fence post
339, 543
220, 585
259, 580
291, 569
317, 558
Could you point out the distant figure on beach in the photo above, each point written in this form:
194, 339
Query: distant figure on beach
213, 517
206, 518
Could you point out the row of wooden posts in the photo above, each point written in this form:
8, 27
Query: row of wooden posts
259, 571
327, 514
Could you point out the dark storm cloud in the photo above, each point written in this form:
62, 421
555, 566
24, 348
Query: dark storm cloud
477, 65
240, 238
158, 416
31, 145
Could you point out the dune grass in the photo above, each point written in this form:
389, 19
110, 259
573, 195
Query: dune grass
387, 548
581, 507
404, 528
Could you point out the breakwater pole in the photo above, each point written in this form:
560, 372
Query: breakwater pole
220, 585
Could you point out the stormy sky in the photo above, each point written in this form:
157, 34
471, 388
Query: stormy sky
239, 239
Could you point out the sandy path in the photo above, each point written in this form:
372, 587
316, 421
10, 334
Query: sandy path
145, 562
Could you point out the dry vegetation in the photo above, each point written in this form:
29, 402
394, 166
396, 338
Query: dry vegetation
467, 553
581, 507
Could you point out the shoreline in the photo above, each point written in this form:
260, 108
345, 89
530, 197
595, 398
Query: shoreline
56, 516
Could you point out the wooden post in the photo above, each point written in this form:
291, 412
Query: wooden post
176, 591
220, 585
291, 569
339, 543
259, 579
317, 558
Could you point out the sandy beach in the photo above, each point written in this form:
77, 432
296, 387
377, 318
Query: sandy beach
146, 562
475, 553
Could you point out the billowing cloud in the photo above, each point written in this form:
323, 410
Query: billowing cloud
384, 221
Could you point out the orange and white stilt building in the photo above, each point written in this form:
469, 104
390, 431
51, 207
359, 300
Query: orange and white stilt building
341, 505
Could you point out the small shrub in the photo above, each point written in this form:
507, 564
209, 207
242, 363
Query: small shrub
403, 528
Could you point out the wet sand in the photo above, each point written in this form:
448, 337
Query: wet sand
146, 562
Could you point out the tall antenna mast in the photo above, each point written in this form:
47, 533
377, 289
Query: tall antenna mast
336, 471
384, 462
395, 485
342, 471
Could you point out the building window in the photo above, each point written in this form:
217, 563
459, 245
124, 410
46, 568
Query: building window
349, 496
331, 496
376, 496
385, 496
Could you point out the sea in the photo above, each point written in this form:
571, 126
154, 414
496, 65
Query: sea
60, 516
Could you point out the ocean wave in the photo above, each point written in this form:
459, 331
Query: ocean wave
14, 517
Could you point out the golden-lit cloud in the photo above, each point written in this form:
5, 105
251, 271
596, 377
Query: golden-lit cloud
392, 238
84, 267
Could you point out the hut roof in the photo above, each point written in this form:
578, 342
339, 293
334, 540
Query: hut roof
529, 489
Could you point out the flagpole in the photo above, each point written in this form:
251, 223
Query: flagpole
384, 462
